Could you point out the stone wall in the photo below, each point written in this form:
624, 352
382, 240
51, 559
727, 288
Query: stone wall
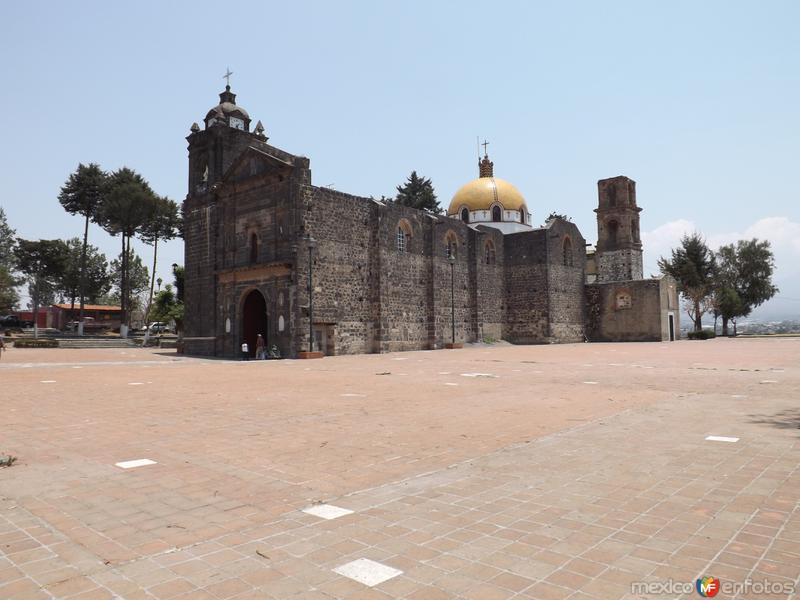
619, 265
527, 303
631, 311
544, 284
371, 297
567, 254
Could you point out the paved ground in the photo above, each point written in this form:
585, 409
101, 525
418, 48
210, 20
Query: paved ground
507, 472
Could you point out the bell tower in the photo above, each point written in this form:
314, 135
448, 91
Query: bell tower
619, 246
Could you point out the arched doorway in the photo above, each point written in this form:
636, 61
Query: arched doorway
254, 319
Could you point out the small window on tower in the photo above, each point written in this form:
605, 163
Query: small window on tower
567, 252
253, 248
489, 252
497, 214
465, 214
613, 231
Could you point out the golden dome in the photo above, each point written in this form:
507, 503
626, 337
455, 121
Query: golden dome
481, 193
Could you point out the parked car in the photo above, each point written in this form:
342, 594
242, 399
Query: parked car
158, 327
15, 322
88, 322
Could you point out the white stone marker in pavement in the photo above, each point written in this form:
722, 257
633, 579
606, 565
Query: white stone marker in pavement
367, 571
327, 511
721, 438
131, 464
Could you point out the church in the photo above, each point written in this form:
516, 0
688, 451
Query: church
318, 271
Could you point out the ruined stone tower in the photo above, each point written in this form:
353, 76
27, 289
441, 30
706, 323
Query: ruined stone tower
619, 247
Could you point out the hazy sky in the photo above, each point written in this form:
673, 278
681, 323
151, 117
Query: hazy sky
696, 101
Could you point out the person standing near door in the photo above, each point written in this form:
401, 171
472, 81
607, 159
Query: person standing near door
261, 348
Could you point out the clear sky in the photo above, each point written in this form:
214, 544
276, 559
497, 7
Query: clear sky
696, 101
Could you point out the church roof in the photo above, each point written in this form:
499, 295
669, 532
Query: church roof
481, 193
227, 105
486, 190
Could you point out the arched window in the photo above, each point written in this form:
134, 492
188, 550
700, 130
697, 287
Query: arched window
613, 231
497, 214
403, 235
612, 195
522, 215
489, 253
450, 244
567, 252
253, 248
465, 214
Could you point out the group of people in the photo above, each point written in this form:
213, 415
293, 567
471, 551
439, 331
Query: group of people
261, 350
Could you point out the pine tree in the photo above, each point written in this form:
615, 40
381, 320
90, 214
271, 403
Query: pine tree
693, 266
417, 192
8, 282
744, 279
82, 194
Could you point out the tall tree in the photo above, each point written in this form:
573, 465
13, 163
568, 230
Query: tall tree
8, 282
126, 207
178, 272
82, 194
43, 263
8, 290
164, 224
417, 192
744, 278
693, 267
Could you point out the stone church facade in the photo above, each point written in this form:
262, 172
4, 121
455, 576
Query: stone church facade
268, 252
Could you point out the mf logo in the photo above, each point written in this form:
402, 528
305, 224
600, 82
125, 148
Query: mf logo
708, 587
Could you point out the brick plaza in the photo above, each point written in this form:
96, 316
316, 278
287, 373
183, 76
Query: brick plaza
572, 471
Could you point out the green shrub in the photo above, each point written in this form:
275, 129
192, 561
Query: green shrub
33, 343
702, 335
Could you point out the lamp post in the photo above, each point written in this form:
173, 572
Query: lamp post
311, 245
452, 259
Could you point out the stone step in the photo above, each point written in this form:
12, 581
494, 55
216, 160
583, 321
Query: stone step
96, 343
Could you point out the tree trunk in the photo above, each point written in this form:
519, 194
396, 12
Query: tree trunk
123, 319
129, 302
83, 268
698, 323
152, 281
734, 328
36, 307
725, 326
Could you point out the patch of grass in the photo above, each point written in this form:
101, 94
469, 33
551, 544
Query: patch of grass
701, 335
34, 343
7, 460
